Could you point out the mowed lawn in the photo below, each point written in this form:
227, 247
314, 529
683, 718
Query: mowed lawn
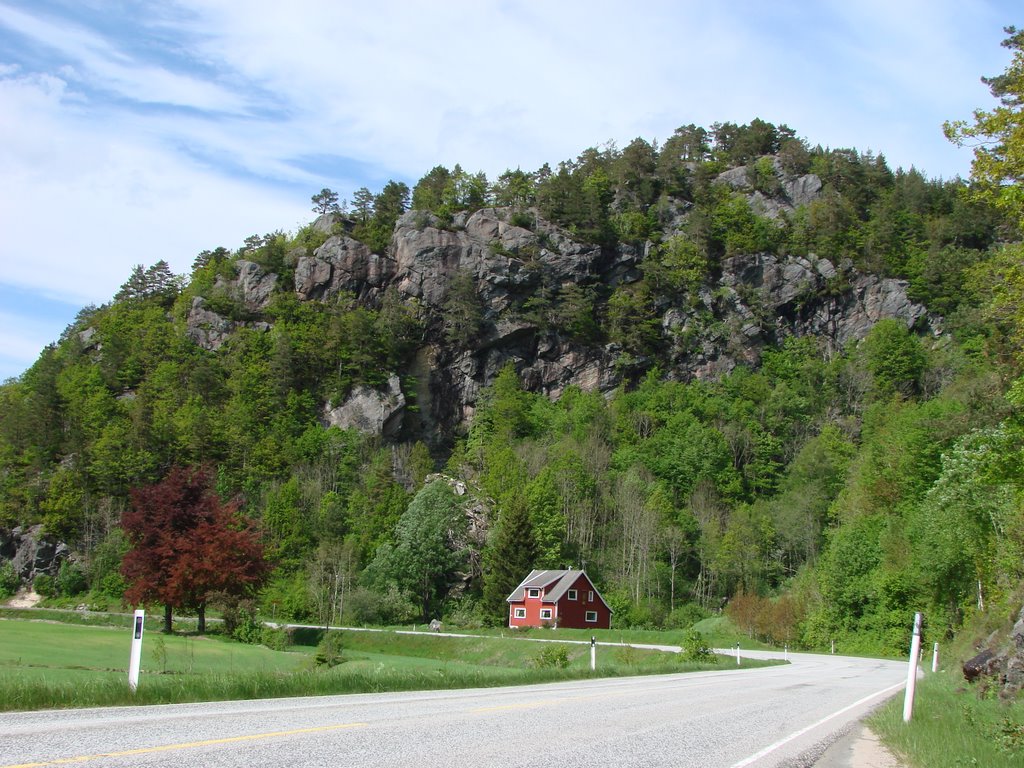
63, 652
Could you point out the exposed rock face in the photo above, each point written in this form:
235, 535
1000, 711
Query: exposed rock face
205, 327
759, 300
1002, 664
341, 264
253, 287
209, 330
369, 410
31, 552
793, 191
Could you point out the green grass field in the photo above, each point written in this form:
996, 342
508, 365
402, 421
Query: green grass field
46, 664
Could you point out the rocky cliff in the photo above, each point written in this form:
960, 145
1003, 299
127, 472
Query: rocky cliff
749, 302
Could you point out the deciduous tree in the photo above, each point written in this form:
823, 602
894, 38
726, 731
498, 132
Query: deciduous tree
187, 545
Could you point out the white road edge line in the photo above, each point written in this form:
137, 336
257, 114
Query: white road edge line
772, 747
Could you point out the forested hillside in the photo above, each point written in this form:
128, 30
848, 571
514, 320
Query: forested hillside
729, 370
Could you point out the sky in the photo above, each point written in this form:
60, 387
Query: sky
133, 131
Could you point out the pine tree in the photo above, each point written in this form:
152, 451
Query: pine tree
511, 557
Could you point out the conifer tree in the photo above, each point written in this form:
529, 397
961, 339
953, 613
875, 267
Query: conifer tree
512, 555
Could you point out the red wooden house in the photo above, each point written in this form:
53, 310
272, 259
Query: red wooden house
558, 599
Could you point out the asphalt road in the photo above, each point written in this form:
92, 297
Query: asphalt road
770, 716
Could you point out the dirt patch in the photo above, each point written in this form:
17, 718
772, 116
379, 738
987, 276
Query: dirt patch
27, 598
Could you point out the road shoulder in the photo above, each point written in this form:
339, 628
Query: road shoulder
859, 748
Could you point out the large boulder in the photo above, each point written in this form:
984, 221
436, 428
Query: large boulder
254, 285
368, 410
342, 264
32, 552
1001, 662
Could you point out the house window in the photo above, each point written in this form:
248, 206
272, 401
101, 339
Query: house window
533, 593
590, 596
572, 594
592, 617
545, 614
520, 613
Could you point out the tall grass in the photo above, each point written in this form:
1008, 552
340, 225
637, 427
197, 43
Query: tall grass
20, 693
953, 726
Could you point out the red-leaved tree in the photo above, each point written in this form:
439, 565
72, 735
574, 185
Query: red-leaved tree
188, 545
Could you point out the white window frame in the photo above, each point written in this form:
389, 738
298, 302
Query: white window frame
519, 613
572, 594
591, 617
590, 596
533, 592
547, 611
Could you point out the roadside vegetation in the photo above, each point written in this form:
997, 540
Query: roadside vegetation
954, 725
47, 664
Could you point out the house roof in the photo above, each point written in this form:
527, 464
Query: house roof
554, 583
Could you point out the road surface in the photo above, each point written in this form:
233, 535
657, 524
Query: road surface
769, 716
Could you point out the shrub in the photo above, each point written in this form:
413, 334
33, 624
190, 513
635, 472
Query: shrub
686, 616
695, 648
522, 219
45, 585
248, 627
70, 580
328, 653
552, 657
9, 581
276, 638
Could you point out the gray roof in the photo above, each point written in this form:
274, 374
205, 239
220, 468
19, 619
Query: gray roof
554, 583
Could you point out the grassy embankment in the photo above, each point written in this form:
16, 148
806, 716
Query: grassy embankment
956, 723
50, 664
953, 726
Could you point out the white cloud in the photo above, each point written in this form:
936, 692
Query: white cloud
113, 154
104, 66
83, 203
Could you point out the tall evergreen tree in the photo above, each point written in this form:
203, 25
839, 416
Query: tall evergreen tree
511, 557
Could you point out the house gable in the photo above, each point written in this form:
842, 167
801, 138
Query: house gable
566, 598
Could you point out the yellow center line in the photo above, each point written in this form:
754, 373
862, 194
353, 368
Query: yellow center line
186, 745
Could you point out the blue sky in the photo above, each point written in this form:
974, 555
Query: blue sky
132, 132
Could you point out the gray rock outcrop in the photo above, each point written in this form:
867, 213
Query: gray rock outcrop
759, 300
370, 411
1001, 663
31, 552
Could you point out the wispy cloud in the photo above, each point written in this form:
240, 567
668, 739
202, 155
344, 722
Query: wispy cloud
133, 132
98, 62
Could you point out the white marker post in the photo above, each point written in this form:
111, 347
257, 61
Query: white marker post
833, 647
935, 658
915, 650
136, 658
593, 653
785, 652
737, 654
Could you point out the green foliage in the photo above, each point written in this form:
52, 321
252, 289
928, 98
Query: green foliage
325, 201
248, 628
9, 581
695, 648
45, 585
426, 551
998, 135
463, 311
552, 656
894, 357
70, 580
511, 554
677, 266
